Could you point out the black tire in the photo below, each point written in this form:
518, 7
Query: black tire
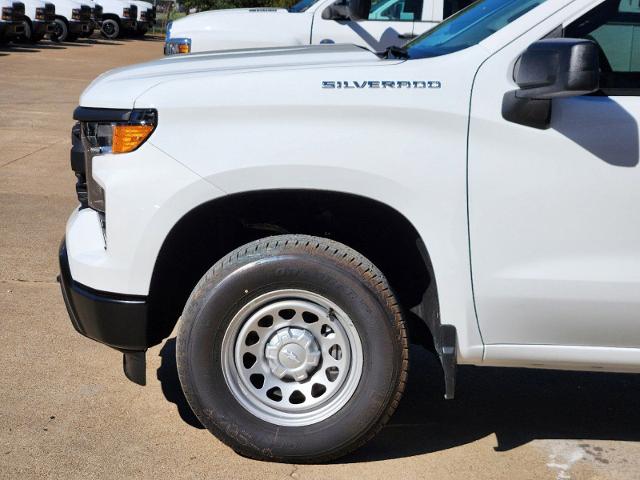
326, 268
61, 32
110, 29
27, 35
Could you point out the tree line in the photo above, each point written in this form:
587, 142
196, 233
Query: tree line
202, 5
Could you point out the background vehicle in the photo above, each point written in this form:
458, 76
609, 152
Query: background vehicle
386, 23
146, 17
118, 17
11, 20
96, 18
39, 20
478, 189
72, 20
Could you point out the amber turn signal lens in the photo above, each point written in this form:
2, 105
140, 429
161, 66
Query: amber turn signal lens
184, 48
127, 138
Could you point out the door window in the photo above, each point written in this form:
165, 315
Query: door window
396, 10
615, 26
454, 6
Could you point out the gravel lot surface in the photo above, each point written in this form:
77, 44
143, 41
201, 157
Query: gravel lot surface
66, 410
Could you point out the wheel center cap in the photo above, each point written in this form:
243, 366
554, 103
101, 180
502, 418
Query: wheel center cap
293, 353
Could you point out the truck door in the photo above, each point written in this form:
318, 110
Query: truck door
390, 22
554, 215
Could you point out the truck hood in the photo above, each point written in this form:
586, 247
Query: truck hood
119, 88
214, 19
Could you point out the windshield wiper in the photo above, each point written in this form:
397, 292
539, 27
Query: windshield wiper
396, 52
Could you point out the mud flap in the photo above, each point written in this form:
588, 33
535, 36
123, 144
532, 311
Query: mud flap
444, 336
134, 365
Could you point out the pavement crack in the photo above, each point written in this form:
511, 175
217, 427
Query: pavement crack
294, 472
31, 153
25, 280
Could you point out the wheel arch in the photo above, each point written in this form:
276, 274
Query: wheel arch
111, 16
378, 231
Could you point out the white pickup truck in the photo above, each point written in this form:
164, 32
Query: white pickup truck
73, 19
304, 210
11, 20
38, 20
146, 17
376, 26
118, 18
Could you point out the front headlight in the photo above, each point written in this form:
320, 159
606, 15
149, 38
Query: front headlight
7, 13
122, 136
175, 46
75, 14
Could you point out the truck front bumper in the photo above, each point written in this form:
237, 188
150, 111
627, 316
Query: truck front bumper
79, 28
118, 321
41, 28
128, 25
10, 30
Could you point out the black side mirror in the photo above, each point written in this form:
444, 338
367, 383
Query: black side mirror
348, 10
548, 69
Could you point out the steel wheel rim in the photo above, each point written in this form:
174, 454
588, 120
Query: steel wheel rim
309, 357
58, 31
109, 28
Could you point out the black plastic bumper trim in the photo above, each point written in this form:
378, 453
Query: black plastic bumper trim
88, 114
119, 321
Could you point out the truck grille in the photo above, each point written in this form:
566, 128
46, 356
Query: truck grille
18, 12
85, 13
133, 12
49, 12
96, 13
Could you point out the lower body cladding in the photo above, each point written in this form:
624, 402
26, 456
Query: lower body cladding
9, 30
119, 321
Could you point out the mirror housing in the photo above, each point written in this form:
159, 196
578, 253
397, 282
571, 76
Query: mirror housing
548, 69
359, 9
348, 10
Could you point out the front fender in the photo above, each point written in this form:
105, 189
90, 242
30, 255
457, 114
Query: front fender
406, 148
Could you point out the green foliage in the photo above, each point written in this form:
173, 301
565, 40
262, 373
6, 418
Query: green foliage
219, 4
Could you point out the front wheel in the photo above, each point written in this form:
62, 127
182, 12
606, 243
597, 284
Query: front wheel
110, 29
293, 349
60, 31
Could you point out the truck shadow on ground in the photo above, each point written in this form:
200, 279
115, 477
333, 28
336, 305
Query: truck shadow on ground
28, 48
516, 405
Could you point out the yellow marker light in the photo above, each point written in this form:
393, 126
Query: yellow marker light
184, 48
126, 138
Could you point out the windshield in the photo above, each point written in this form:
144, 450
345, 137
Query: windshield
469, 27
302, 6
